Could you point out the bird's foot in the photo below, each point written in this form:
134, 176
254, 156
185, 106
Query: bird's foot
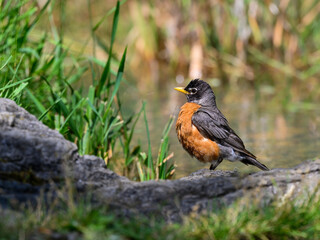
215, 164
213, 167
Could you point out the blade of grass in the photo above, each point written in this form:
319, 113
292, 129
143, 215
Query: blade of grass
7, 61
118, 79
163, 150
45, 112
112, 10
15, 84
95, 111
128, 140
150, 173
71, 113
106, 70
35, 100
141, 172
18, 90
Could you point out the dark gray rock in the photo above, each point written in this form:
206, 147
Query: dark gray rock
34, 159
31, 154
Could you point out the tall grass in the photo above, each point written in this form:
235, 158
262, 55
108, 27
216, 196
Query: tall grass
42, 75
147, 167
17, 60
159, 169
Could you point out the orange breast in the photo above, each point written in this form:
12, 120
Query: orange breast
204, 149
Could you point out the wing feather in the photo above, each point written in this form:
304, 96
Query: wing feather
212, 124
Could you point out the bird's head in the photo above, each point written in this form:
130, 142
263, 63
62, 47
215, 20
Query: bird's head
200, 92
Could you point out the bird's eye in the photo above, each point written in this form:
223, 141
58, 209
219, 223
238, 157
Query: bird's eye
193, 90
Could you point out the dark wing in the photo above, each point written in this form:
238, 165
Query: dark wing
213, 125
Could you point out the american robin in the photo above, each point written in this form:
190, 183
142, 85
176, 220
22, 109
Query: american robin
204, 131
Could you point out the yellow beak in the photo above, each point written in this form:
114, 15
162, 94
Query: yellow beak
181, 89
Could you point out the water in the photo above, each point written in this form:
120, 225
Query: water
279, 137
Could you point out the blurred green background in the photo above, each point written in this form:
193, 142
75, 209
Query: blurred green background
262, 59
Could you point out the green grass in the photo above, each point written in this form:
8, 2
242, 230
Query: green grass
159, 169
281, 220
44, 76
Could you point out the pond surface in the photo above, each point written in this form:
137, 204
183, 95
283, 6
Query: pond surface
279, 137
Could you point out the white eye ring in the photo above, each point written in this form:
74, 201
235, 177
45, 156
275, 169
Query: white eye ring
193, 90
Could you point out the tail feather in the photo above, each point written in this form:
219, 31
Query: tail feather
255, 162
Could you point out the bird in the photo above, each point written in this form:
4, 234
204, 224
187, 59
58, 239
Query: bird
204, 131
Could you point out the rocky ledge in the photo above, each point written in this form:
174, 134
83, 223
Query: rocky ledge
36, 160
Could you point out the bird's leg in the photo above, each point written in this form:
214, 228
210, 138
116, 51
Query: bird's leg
215, 164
